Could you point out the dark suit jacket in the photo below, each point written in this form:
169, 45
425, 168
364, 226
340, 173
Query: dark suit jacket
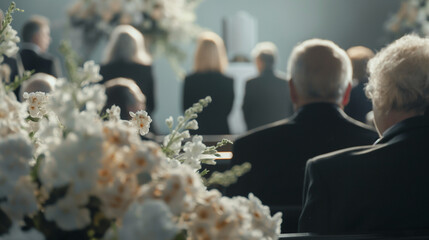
359, 105
377, 188
213, 119
266, 100
279, 151
40, 62
141, 74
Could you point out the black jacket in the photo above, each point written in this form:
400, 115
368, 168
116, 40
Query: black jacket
278, 154
213, 120
373, 188
141, 74
266, 100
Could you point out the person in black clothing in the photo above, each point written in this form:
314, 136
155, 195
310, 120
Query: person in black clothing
384, 187
126, 57
208, 80
266, 98
319, 74
359, 105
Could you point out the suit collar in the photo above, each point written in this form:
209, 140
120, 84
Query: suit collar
408, 125
30, 46
317, 111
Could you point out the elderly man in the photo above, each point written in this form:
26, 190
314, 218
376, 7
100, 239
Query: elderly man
39, 82
382, 187
266, 97
319, 74
36, 40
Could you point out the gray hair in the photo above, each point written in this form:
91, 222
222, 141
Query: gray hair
267, 52
320, 70
38, 82
399, 75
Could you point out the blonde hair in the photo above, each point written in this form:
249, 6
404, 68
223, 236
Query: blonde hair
210, 54
127, 44
320, 69
360, 55
399, 75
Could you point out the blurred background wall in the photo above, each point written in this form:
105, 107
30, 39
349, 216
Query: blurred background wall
284, 22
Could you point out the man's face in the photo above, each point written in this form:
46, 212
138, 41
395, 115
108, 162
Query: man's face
43, 38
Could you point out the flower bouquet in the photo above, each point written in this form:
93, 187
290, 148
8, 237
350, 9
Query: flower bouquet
166, 24
67, 173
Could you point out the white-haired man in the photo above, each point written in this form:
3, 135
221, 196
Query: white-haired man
382, 187
266, 98
319, 74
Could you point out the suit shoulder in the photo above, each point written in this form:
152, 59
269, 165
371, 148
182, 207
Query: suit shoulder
342, 155
266, 130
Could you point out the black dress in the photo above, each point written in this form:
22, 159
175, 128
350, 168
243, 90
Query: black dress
213, 120
141, 74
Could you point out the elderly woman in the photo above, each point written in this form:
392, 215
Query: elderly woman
208, 79
383, 187
126, 57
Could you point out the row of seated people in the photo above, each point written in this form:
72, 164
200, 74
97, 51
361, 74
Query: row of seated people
126, 56
367, 185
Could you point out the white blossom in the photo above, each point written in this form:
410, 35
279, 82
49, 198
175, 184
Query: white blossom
90, 73
114, 113
15, 233
68, 213
36, 103
150, 220
141, 120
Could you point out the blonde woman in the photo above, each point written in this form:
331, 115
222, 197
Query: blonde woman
208, 79
126, 57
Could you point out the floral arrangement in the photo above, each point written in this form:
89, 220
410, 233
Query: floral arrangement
411, 17
166, 24
67, 173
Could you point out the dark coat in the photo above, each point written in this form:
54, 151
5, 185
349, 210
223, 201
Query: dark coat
40, 62
141, 74
278, 153
213, 120
266, 100
373, 188
359, 105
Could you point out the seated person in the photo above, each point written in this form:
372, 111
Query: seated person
126, 94
359, 105
319, 74
39, 82
384, 187
266, 98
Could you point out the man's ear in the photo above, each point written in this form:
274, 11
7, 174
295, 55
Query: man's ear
346, 97
292, 91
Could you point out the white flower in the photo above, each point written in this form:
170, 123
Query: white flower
262, 220
15, 233
150, 220
93, 96
21, 201
179, 188
193, 152
8, 41
68, 212
114, 113
169, 121
141, 120
90, 73
16, 152
36, 103
192, 125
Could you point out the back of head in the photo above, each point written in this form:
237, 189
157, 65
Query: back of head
320, 70
210, 54
127, 44
399, 76
33, 26
125, 94
360, 56
267, 53
39, 82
